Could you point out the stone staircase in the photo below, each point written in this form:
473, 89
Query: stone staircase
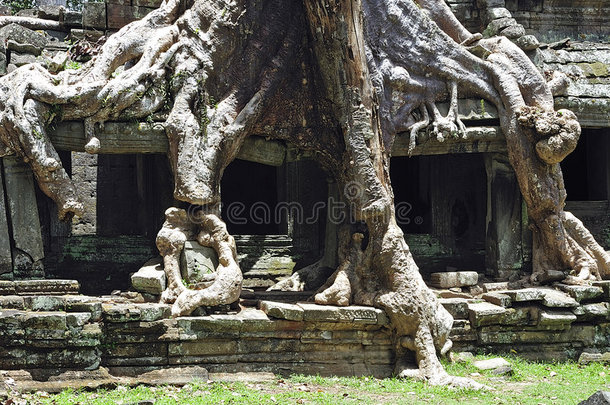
539, 323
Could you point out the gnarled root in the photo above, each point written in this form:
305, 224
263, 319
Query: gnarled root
418, 126
306, 279
422, 324
442, 127
450, 125
338, 289
226, 287
176, 230
559, 132
339, 292
589, 261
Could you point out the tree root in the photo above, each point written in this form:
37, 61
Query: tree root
559, 132
589, 261
308, 278
226, 287
450, 125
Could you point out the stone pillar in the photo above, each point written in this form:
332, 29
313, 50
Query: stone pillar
27, 249
84, 174
6, 261
503, 245
330, 258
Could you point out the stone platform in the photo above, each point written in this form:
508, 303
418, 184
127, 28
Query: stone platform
68, 332
51, 335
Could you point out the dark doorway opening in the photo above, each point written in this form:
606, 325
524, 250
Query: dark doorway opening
585, 171
249, 199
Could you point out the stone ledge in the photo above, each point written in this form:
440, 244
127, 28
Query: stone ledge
39, 287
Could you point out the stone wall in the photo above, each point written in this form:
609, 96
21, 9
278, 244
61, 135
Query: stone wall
77, 332
537, 323
53, 328
553, 20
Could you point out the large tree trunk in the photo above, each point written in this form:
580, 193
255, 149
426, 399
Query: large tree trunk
324, 75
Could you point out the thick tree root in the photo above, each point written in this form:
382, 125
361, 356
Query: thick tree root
589, 261
226, 287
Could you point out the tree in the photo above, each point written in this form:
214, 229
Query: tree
322, 75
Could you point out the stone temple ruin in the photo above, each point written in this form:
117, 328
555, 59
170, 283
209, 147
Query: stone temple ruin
83, 295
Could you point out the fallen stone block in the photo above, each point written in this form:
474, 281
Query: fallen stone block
461, 357
495, 13
589, 312
558, 299
457, 307
513, 32
150, 278
490, 287
21, 39
503, 370
599, 398
526, 294
603, 284
582, 292
491, 364
555, 320
484, 313
528, 43
498, 298
281, 310
454, 279
586, 358
495, 26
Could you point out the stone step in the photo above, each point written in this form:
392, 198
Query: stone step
452, 279
282, 296
582, 292
324, 313
39, 287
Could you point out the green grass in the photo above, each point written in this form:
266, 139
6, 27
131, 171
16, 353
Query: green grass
531, 383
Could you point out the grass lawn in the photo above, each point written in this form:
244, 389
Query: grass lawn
531, 383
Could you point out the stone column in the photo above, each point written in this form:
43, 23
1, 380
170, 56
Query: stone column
6, 261
27, 249
503, 245
84, 174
